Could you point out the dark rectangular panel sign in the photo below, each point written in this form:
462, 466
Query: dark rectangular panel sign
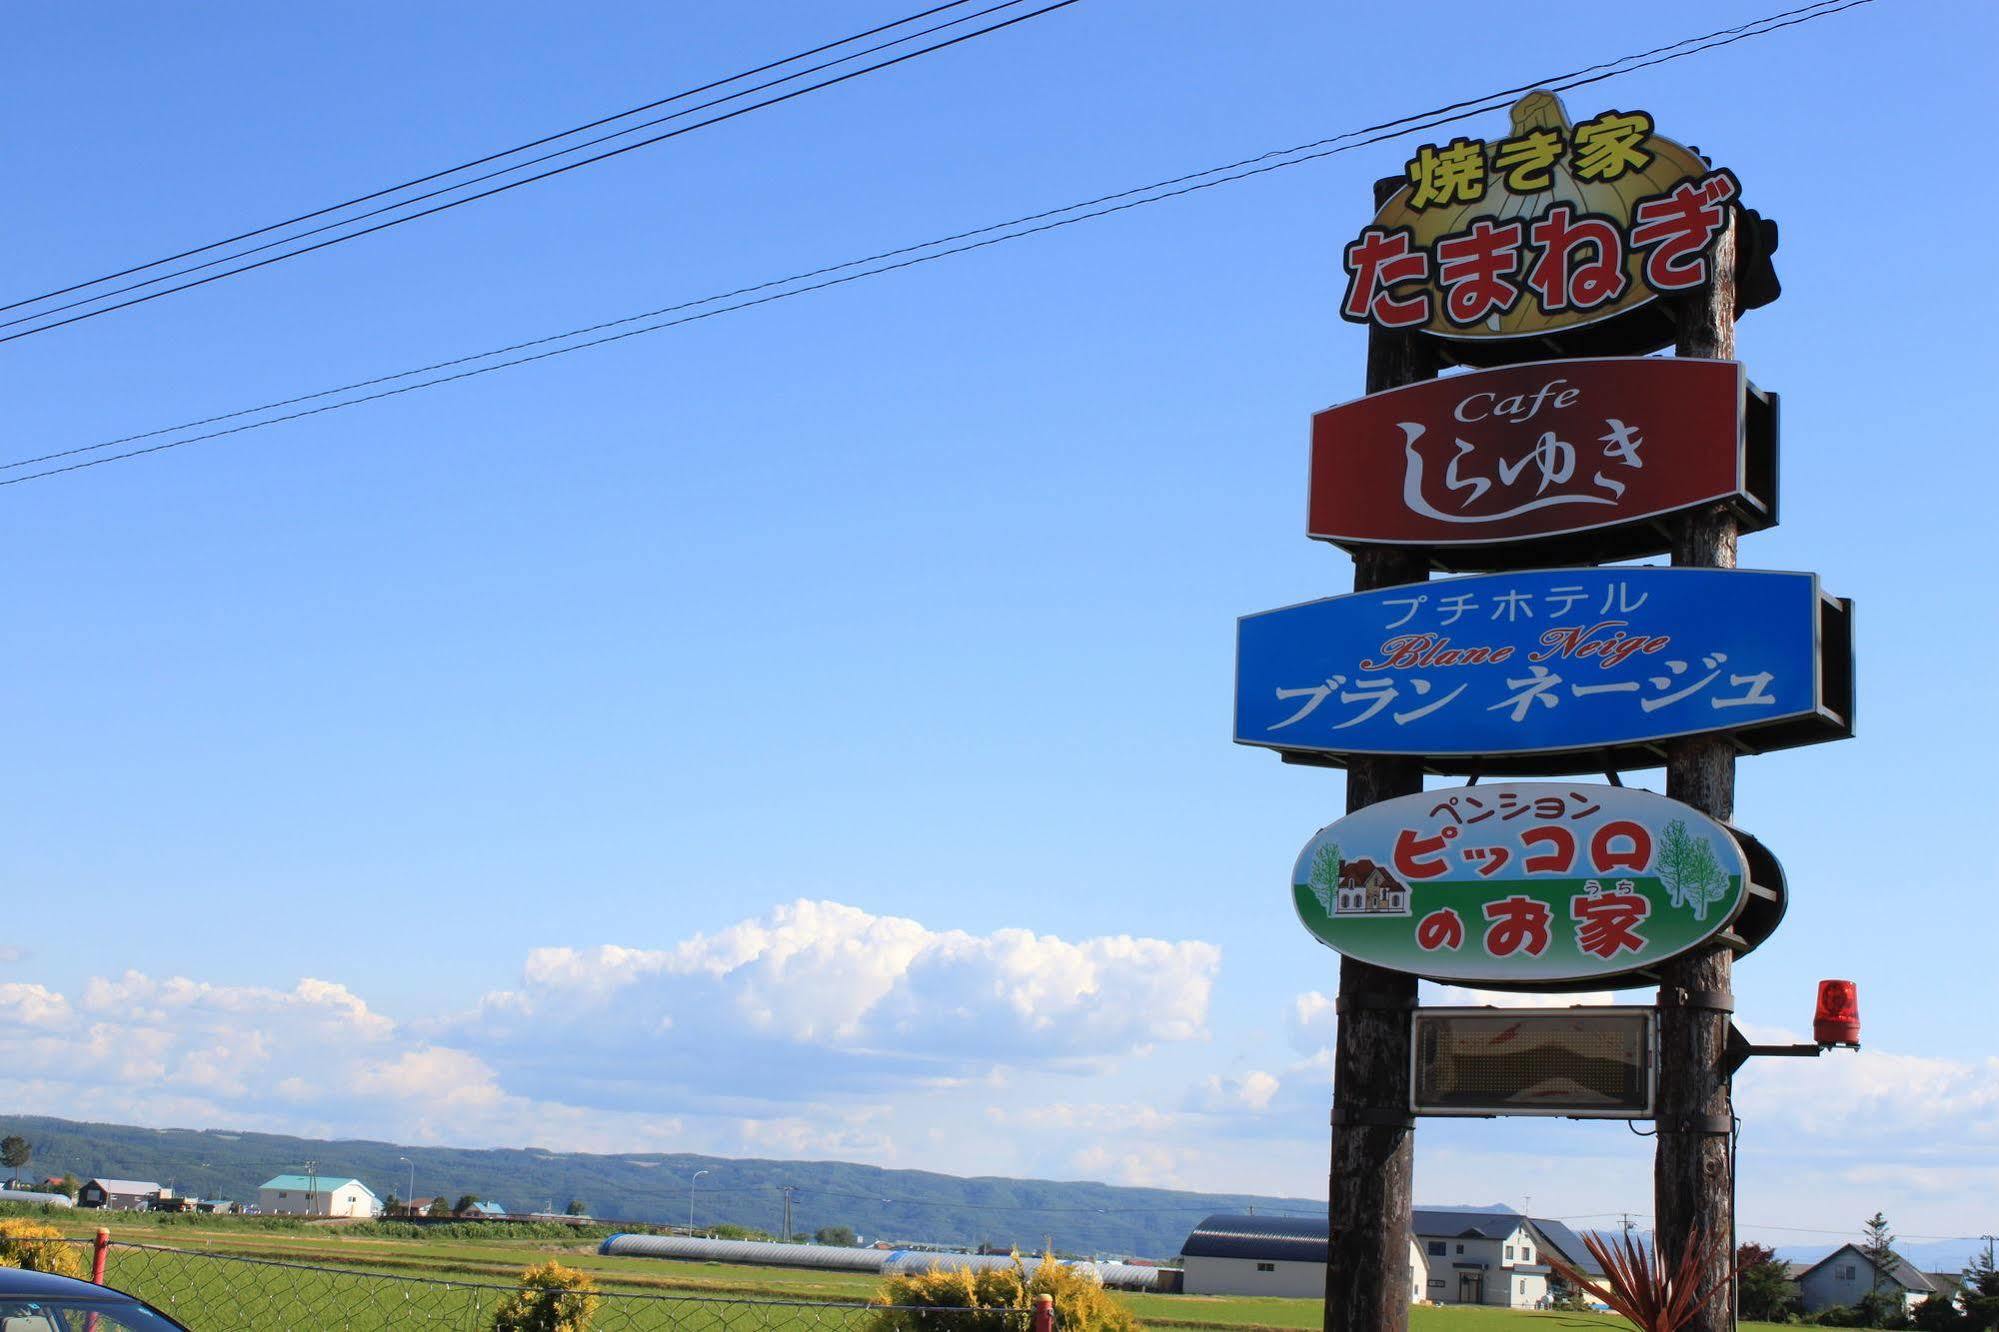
1489, 469
1549, 670
1585, 1063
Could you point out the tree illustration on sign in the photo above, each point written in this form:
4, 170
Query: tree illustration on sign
1325, 880
1693, 877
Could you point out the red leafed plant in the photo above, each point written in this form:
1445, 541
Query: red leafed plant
1640, 1285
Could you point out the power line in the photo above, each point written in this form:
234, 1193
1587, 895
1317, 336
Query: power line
1751, 1225
496, 156
1475, 106
509, 185
1048, 220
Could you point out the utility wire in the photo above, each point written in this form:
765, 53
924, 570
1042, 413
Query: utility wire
1797, 1230
43, 314
1124, 202
494, 157
1476, 106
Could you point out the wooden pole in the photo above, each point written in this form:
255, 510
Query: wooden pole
1374, 1138
1693, 1178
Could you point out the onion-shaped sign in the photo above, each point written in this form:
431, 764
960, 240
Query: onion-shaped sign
1533, 885
1551, 228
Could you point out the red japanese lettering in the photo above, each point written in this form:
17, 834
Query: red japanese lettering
1476, 268
1635, 853
1676, 230
1606, 923
1417, 857
1560, 856
1580, 261
1442, 928
1376, 264
1519, 924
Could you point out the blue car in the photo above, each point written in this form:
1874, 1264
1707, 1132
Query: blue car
43, 1302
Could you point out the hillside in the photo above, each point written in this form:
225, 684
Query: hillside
908, 1205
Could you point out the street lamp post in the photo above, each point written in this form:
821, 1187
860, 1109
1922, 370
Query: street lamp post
409, 1199
690, 1200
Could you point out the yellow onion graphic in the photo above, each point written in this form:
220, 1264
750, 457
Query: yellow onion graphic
1613, 199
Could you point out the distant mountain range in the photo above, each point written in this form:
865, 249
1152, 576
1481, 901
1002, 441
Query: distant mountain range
1929, 1256
906, 1205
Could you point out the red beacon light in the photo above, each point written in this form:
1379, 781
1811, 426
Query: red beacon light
1837, 1019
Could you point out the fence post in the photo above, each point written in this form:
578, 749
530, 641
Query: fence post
98, 1251
1044, 1313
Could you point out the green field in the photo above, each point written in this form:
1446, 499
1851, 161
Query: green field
223, 1297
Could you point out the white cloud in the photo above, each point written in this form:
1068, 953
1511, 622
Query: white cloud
1250, 1093
1894, 1102
1151, 1166
33, 1005
819, 996
1312, 1020
761, 1033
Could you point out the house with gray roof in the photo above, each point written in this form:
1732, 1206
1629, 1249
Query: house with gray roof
1490, 1258
119, 1195
1230, 1254
1565, 1244
1844, 1275
1455, 1257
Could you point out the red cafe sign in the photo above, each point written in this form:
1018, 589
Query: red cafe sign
1591, 450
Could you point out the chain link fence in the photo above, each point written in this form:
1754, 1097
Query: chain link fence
215, 1292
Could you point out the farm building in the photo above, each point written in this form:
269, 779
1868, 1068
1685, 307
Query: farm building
840, 1258
1455, 1257
119, 1195
317, 1195
1268, 1255
35, 1198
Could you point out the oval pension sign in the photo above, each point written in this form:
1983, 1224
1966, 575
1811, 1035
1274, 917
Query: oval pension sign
1525, 885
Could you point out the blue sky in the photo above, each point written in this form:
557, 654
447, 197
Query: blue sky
858, 668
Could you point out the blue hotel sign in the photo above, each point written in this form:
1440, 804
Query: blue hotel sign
1549, 671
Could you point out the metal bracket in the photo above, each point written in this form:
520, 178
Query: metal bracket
1368, 1003
1704, 1001
1369, 1116
1740, 1051
1711, 1125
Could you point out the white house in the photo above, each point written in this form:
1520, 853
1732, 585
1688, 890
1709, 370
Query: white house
1846, 1274
317, 1195
1489, 1258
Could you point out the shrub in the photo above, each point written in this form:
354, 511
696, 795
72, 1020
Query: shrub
38, 1248
552, 1298
1938, 1314
1008, 1293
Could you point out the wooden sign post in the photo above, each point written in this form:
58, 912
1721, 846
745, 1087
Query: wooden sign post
1550, 263
1693, 1173
1370, 1190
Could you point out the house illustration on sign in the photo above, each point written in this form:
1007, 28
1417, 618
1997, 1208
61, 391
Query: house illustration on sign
1366, 889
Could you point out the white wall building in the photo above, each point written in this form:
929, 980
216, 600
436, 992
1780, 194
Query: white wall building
1488, 1258
1455, 1257
1269, 1255
317, 1195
